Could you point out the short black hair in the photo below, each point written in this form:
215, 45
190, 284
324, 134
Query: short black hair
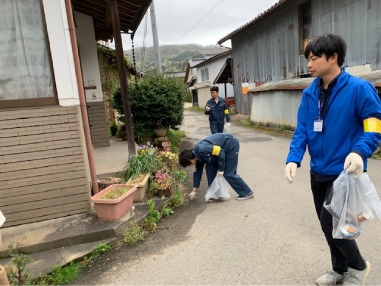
327, 44
214, 88
185, 156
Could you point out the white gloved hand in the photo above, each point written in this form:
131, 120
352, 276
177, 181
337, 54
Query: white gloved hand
228, 124
207, 108
355, 164
192, 195
290, 171
220, 173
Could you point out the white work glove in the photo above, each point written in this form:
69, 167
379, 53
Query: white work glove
207, 108
220, 173
228, 124
290, 171
192, 195
355, 164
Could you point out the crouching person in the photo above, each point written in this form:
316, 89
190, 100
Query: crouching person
219, 152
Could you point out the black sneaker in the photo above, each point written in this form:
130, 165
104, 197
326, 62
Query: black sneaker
249, 196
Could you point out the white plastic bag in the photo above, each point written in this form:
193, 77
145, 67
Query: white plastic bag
226, 129
351, 204
218, 190
2, 219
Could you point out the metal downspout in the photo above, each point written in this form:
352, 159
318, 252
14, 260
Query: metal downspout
82, 101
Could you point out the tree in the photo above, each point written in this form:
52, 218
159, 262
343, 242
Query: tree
156, 102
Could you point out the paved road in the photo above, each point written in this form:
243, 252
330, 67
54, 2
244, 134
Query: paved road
273, 239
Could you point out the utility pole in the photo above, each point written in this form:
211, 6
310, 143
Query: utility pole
155, 37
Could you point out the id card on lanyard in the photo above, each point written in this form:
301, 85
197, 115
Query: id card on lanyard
318, 124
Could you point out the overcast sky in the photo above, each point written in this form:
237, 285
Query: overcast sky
196, 21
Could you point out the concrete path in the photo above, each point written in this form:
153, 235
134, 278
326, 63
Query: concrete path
274, 238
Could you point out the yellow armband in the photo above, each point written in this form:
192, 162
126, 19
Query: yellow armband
372, 125
226, 111
216, 150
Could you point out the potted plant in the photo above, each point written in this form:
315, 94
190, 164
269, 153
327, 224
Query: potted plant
169, 159
160, 132
141, 183
163, 182
114, 202
146, 162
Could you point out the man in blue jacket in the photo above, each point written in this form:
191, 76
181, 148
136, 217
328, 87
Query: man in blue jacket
219, 152
339, 119
217, 109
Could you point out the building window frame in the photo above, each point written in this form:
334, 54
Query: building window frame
41, 101
204, 74
305, 25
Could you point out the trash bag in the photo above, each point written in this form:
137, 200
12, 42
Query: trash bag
219, 189
351, 203
226, 129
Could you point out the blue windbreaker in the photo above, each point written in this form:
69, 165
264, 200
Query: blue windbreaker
218, 110
352, 101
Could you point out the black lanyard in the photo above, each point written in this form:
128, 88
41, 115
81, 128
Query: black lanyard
321, 104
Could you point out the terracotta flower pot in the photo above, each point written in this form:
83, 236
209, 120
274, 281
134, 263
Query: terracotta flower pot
160, 132
3, 276
141, 188
113, 209
165, 193
166, 146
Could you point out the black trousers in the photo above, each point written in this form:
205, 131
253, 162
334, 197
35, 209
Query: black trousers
344, 252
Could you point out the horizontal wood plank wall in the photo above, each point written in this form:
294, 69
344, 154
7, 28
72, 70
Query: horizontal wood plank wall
42, 167
98, 124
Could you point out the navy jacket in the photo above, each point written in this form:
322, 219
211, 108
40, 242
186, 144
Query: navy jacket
352, 103
217, 110
211, 150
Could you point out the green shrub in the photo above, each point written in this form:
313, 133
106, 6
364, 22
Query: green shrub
177, 199
134, 234
175, 136
180, 175
188, 97
156, 102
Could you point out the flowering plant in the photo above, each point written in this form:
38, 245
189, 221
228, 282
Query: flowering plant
142, 149
163, 180
171, 160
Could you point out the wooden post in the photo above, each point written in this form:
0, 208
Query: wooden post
122, 76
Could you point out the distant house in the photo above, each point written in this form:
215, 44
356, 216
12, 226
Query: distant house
268, 53
201, 75
190, 78
49, 93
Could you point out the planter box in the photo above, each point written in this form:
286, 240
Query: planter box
113, 209
141, 189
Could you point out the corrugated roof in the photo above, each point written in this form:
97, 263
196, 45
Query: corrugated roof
259, 17
301, 83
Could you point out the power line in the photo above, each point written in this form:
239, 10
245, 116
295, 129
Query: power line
198, 21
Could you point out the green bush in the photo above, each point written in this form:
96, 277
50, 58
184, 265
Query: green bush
156, 102
188, 97
175, 136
